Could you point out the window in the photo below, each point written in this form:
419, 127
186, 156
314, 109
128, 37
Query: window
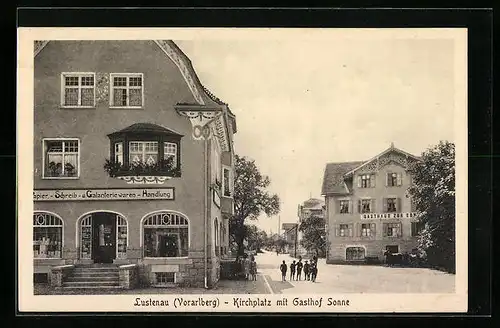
391, 205
78, 90
366, 181
144, 149
344, 206
416, 228
166, 235
367, 229
143, 152
392, 229
355, 253
126, 90
344, 230
394, 179
365, 205
61, 158
164, 278
216, 237
170, 151
47, 236
227, 182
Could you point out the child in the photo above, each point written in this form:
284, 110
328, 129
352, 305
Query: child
253, 269
314, 271
283, 269
307, 273
299, 268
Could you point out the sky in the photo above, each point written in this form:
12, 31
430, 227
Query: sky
301, 103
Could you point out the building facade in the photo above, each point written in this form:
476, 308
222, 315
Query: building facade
133, 162
310, 207
368, 210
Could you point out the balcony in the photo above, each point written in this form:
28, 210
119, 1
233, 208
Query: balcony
387, 216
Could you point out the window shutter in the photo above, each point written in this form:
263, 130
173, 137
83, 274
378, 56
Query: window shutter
359, 181
350, 206
338, 206
398, 204
350, 230
400, 179
337, 231
412, 203
372, 205
372, 180
400, 234
372, 228
387, 177
384, 204
359, 206
384, 229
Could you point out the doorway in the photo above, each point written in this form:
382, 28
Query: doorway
103, 237
392, 249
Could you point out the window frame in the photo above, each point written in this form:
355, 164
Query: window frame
53, 226
386, 226
231, 183
159, 226
348, 206
45, 156
63, 89
416, 224
112, 91
396, 210
394, 179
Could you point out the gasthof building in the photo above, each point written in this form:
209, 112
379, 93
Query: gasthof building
368, 209
133, 171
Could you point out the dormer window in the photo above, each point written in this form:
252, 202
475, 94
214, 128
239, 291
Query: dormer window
144, 149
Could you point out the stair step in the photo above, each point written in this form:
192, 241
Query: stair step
92, 287
90, 283
91, 279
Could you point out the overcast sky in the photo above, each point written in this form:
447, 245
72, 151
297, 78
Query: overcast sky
302, 103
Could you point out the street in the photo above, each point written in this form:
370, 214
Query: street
353, 278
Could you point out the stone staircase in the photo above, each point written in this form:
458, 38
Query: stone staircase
95, 276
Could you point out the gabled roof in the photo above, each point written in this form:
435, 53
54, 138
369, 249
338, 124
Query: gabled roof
146, 128
313, 203
333, 179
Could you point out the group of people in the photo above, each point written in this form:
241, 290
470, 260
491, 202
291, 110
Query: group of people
296, 268
249, 267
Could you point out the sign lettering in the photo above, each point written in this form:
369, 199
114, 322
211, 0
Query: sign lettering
103, 194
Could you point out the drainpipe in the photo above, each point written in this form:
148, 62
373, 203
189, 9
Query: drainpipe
205, 207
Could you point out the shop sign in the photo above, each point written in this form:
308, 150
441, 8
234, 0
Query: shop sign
406, 215
48, 195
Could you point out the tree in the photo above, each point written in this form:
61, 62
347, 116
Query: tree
313, 234
250, 199
433, 194
255, 237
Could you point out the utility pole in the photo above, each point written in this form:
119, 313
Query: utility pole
296, 237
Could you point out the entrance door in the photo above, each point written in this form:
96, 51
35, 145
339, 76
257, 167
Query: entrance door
103, 237
169, 245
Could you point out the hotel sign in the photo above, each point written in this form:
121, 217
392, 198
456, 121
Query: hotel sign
46, 195
370, 216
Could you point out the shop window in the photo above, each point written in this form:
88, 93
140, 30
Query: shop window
164, 278
78, 90
47, 236
355, 253
144, 149
165, 235
61, 158
127, 90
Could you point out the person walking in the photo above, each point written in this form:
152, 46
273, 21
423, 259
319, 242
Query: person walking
283, 269
253, 269
246, 266
307, 273
314, 271
299, 269
292, 270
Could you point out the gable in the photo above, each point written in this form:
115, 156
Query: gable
390, 156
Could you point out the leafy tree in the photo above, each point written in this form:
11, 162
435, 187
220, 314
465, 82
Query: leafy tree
313, 234
255, 237
433, 194
250, 199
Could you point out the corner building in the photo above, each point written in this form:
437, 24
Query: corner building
133, 163
368, 209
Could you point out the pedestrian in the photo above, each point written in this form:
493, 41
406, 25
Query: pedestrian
292, 270
283, 269
307, 273
246, 266
314, 271
299, 269
253, 269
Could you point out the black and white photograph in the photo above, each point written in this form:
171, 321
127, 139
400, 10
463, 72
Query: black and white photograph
243, 170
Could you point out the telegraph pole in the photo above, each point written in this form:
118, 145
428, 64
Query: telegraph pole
296, 237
